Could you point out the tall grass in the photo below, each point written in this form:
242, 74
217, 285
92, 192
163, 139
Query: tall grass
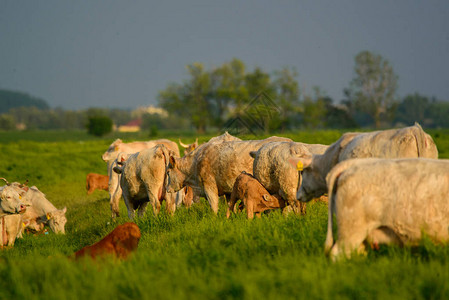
195, 254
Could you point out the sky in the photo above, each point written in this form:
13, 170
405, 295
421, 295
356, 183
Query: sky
120, 54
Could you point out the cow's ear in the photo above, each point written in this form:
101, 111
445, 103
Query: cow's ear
49, 216
172, 162
300, 163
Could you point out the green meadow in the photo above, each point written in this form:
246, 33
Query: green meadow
193, 254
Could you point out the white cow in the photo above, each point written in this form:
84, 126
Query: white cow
273, 171
111, 155
394, 143
387, 201
213, 167
143, 177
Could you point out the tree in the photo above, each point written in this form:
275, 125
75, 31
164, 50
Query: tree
7, 122
374, 87
287, 94
99, 125
190, 99
413, 108
314, 109
228, 89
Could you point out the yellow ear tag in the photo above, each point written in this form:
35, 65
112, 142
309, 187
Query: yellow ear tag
116, 148
48, 216
299, 166
20, 197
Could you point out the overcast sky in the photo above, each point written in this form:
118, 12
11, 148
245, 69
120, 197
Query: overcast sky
120, 54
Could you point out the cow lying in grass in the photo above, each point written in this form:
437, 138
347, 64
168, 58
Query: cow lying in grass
120, 243
387, 201
254, 196
96, 181
39, 211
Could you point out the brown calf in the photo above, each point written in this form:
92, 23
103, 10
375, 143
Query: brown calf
255, 197
96, 181
119, 243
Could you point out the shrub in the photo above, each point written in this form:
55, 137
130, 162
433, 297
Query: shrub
99, 125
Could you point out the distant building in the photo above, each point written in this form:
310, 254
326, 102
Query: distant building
152, 110
131, 126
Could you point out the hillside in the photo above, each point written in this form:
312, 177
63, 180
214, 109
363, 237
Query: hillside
11, 99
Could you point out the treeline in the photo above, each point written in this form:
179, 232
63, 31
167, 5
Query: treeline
230, 95
218, 96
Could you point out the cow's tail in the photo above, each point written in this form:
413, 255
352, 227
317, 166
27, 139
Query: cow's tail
420, 137
331, 179
118, 169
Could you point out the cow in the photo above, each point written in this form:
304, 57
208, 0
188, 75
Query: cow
379, 200
192, 196
118, 146
142, 180
408, 142
10, 229
272, 170
120, 243
11, 198
111, 156
254, 196
211, 169
41, 212
96, 181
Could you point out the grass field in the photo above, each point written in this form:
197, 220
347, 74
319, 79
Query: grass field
193, 254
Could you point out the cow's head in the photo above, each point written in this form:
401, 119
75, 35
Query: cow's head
11, 198
57, 219
312, 184
175, 178
112, 151
189, 147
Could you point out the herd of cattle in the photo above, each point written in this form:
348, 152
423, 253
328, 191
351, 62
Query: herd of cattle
383, 187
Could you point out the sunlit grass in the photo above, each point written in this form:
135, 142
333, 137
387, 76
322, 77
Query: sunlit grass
195, 254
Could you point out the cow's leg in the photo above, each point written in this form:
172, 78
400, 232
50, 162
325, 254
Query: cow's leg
233, 199
114, 202
249, 210
298, 207
115, 192
212, 197
129, 205
350, 239
170, 202
155, 195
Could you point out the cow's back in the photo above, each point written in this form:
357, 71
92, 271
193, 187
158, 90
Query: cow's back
39, 202
408, 142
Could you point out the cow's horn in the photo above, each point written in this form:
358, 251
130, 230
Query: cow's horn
24, 184
7, 183
182, 144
